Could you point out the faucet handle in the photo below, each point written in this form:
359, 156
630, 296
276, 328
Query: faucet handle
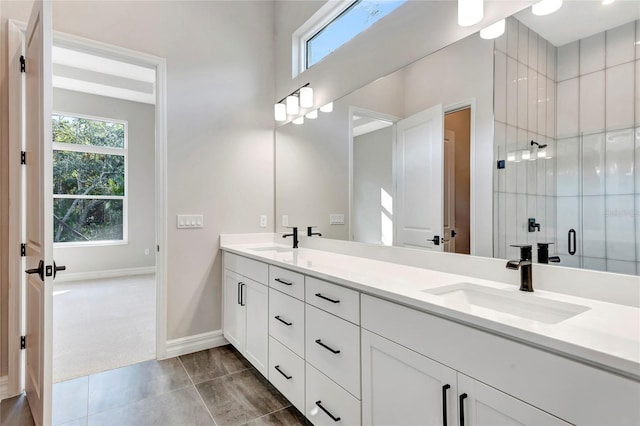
525, 251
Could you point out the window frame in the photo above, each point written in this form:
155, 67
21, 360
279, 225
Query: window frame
124, 152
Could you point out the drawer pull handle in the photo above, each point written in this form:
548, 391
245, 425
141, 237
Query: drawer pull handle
327, 347
334, 418
277, 367
282, 321
462, 398
242, 301
327, 298
444, 403
285, 282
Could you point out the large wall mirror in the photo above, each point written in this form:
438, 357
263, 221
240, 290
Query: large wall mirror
533, 137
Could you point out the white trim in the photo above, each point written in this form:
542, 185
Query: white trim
4, 387
195, 343
109, 273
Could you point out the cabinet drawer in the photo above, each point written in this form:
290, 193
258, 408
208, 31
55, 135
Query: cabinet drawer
286, 320
322, 392
249, 268
333, 347
333, 298
286, 373
289, 282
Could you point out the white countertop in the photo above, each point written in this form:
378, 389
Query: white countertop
606, 335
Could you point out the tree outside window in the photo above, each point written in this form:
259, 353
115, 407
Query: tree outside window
89, 172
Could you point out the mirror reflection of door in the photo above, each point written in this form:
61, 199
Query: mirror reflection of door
456, 196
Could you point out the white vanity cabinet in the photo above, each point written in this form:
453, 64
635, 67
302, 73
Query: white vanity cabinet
245, 310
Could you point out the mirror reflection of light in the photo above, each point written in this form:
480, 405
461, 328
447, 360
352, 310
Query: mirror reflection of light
386, 229
386, 201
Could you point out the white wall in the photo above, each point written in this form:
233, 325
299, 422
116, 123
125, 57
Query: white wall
220, 126
140, 120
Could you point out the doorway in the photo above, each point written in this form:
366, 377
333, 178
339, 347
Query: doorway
457, 183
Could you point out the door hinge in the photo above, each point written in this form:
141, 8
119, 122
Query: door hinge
23, 157
23, 250
23, 67
23, 342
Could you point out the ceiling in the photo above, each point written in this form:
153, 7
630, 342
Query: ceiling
89, 73
578, 19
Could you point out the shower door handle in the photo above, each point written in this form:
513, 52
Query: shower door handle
571, 241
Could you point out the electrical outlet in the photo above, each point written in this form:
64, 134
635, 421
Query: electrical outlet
336, 219
285, 220
146, 252
263, 221
190, 221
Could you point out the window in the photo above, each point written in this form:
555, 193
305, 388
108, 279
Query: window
336, 24
89, 180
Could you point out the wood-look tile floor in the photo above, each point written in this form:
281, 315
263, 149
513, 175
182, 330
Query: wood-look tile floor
213, 387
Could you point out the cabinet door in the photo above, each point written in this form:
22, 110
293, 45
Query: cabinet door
234, 317
486, 406
402, 387
256, 299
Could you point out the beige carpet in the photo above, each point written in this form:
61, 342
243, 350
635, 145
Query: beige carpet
103, 324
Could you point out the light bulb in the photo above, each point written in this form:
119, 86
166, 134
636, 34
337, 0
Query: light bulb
542, 153
299, 120
493, 31
306, 97
280, 112
546, 7
470, 12
327, 108
312, 115
526, 154
511, 156
292, 105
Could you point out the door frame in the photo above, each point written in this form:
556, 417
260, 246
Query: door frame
16, 31
449, 108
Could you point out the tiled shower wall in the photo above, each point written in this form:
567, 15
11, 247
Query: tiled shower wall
525, 110
598, 149
592, 183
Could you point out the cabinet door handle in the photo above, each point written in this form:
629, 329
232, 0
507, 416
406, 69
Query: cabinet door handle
239, 293
282, 321
281, 281
327, 298
242, 302
334, 418
277, 367
444, 404
335, 351
462, 398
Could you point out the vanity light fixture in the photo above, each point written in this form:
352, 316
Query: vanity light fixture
299, 120
511, 156
306, 97
526, 154
290, 104
327, 108
470, 12
312, 115
607, 2
546, 7
280, 111
493, 31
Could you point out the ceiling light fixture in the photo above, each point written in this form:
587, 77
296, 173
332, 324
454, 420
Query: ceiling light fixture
280, 111
470, 12
493, 31
293, 107
327, 108
546, 7
301, 97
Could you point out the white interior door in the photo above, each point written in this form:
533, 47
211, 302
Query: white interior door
449, 200
39, 209
419, 156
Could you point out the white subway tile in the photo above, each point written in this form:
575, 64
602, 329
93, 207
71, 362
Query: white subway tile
636, 213
593, 171
568, 209
637, 163
592, 102
512, 91
533, 51
522, 166
567, 167
638, 90
595, 264
570, 261
621, 44
593, 226
619, 106
523, 88
511, 220
512, 37
551, 62
551, 108
620, 161
511, 167
532, 212
568, 61
568, 108
620, 219
532, 98
551, 218
502, 225
500, 87
541, 105
523, 43
621, 267
550, 164
542, 56
521, 217
541, 218
501, 43
501, 154
637, 39
592, 56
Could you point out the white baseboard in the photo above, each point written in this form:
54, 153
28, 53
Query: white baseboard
195, 343
4, 387
111, 273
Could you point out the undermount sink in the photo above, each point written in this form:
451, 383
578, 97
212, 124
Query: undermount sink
277, 249
523, 305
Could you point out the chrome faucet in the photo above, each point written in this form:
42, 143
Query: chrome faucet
525, 266
294, 234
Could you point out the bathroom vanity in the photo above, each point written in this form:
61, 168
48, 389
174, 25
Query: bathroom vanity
353, 340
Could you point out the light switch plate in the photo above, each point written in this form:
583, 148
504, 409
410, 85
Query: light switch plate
190, 221
263, 221
285, 220
336, 219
